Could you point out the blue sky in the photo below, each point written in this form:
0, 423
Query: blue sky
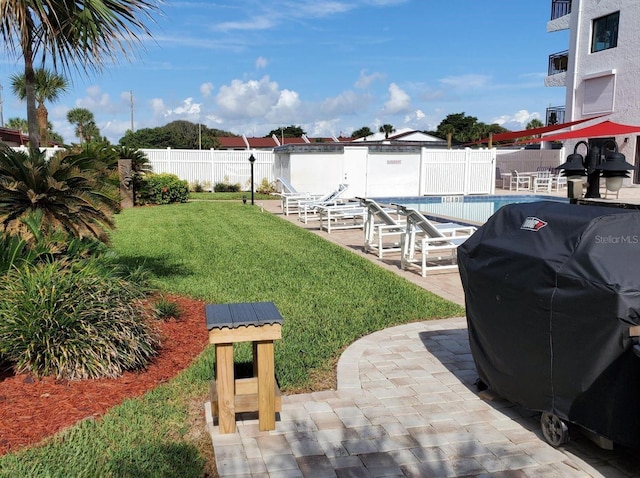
251, 66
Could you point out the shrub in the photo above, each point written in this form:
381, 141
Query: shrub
226, 188
163, 189
166, 309
73, 320
197, 187
266, 187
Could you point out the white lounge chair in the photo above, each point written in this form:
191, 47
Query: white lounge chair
379, 226
436, 243
308, 208
350, 215
290, 196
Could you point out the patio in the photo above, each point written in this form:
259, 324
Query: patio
406, 406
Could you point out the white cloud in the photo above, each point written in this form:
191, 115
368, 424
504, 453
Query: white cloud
364, 80
286, 108
206, 89
399, 101
466, 82
346, 103
250, 99
261, 63
517, 121
256, 23
188, 108
96, 101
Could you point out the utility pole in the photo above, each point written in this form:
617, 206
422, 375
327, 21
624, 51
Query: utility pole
131, 97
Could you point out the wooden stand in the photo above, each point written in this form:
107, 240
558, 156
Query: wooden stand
257, 322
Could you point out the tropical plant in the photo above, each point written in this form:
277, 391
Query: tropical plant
79, 35
166, 309
163, 189
73, 320
362, 132
387, 129
84, 122
73, 198
49, 85
465, 129
18, 123
534, 123
41, 244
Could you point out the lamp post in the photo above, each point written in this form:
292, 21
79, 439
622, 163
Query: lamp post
252, 160
604, 160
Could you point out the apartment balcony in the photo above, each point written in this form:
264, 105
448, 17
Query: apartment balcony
555, 115
560, 8
560, 14
558, 65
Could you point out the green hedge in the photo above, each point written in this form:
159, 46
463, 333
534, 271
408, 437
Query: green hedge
163, 189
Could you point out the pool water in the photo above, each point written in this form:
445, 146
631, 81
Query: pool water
465, 209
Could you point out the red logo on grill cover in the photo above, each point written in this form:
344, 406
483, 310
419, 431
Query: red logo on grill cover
533, 224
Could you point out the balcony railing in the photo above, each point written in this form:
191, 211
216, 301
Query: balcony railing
560, 8
558, 62
555, 115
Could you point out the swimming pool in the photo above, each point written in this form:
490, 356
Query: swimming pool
473, 210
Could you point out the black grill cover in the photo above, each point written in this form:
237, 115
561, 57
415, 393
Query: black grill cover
551, 290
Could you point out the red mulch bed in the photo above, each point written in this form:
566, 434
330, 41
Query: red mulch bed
32, 409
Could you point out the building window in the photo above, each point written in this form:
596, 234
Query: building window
599, 95
605, 32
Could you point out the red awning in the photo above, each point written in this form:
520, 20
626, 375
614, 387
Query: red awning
601, 130
533, 131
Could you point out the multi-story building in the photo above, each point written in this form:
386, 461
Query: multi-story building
601, 68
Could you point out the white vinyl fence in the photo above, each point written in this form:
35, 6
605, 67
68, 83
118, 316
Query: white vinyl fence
209, 167
457, 171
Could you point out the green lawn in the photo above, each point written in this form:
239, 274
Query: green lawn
229, 252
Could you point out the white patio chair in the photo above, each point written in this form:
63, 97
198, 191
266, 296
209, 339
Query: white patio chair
558, 181
542, 181
308, 208
519, 181
380, 225
350, 215
435, 243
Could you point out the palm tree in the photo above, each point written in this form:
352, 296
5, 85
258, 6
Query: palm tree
72, 196
85, 123
49, 85
387, 129
79, 34
18, 123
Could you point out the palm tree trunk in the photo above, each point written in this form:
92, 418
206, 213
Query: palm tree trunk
42, 114
30, 82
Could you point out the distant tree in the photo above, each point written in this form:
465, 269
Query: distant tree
18, 123
288, 132
466, 129
178, 134
21, 125
387, 129
535, 123
362, 132
49, 85
85, 124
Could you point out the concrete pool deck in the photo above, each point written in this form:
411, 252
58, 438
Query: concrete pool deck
405, 405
